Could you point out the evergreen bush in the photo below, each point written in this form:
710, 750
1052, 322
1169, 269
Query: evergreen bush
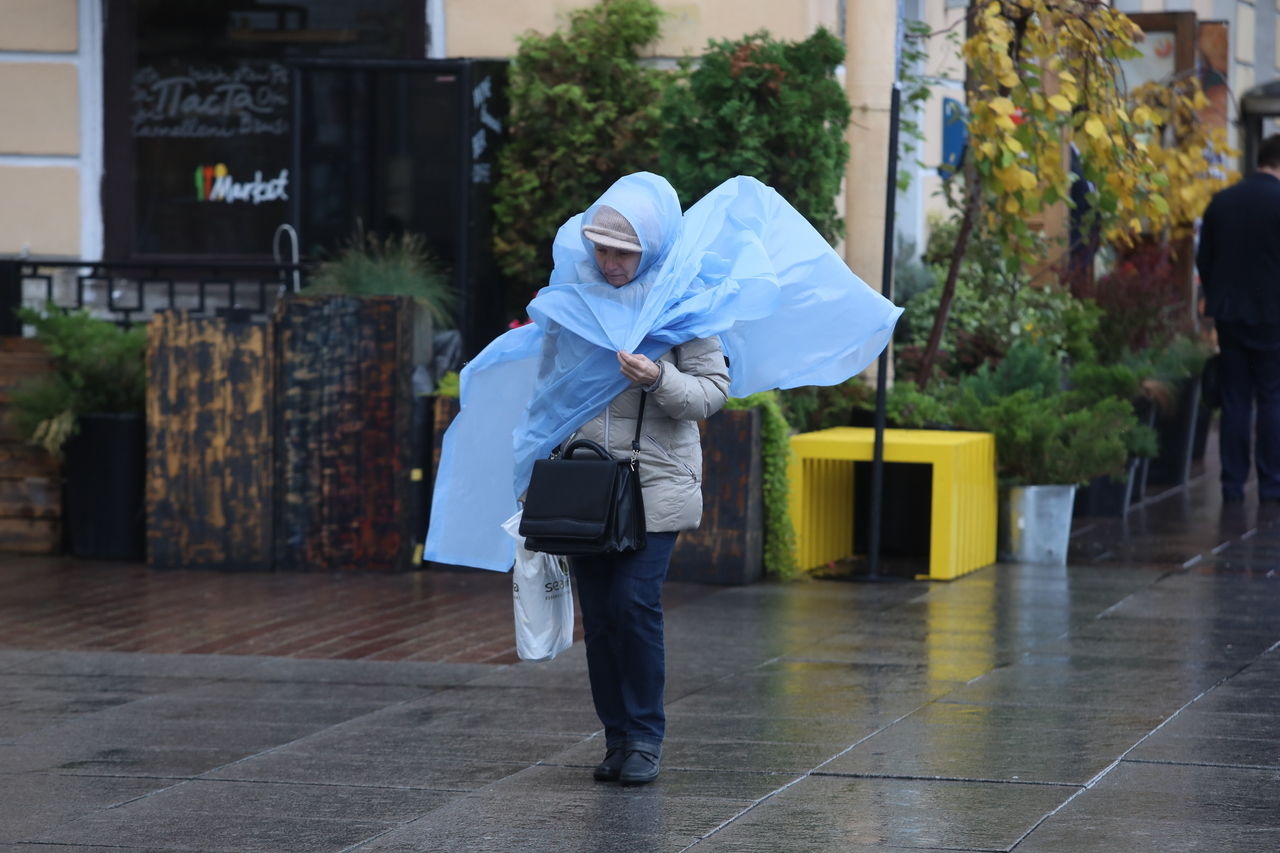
584, 112
775, 453
765, 108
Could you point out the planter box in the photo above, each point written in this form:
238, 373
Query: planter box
728, 547
344, 440
210, 449
1106, 497
1177, 432
106, 463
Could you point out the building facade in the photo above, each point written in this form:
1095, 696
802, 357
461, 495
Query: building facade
105, 154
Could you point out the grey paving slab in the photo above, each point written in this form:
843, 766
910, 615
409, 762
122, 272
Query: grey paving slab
537, 810
835, 814
1012, 743
829, 729
1162, 807
806, 689
376, 744
570, 772
1214, 737
133, 826
33, 801
1097, 682
364, 672
201, 667
436, 715
436, 772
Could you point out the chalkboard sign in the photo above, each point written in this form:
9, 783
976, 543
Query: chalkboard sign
198, 113
212, 142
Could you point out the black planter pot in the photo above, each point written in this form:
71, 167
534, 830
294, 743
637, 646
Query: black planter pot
1177, 432
1106, 497
105, 487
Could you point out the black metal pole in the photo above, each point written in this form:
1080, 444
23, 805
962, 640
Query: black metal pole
882, 366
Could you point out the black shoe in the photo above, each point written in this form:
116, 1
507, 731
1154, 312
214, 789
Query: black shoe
608, 770
639, 768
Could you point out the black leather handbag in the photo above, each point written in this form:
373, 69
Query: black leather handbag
581, 504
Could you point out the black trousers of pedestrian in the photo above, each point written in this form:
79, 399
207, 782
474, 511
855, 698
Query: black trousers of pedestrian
1249, 374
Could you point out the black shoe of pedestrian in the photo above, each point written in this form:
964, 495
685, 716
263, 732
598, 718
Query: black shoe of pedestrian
609, 769
639, 768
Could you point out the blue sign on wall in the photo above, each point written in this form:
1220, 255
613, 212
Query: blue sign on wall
954, 136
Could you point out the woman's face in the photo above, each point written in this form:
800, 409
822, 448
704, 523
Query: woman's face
617, 265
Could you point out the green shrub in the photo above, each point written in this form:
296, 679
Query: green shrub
775, 452
994, 307
98, 368
908, 407
396, 266
769, 109
1050, 440
584, 112
814, 407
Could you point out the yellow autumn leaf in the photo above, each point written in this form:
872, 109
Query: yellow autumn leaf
1012, 206
1001, 106
1094, 127
1010, 79
1013, 145
1135, 224
1028, 179
1005, 123
1067, 76
1060, 103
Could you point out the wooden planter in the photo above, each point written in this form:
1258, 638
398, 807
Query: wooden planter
289, 445
344, 433
30, 479
210, 443
728, 547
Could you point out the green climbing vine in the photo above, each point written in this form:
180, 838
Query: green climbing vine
775, 453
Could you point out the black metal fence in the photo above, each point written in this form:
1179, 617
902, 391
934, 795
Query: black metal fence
130, 293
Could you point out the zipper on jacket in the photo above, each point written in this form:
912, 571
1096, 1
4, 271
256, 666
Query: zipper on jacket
607, 446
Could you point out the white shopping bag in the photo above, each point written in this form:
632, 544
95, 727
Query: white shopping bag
543, 600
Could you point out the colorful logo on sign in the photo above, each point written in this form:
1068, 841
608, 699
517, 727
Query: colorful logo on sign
216, 183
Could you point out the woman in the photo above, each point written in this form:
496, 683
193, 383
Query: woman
621, 594
642, 296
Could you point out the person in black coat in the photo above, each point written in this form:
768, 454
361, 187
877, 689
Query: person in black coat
1239, 263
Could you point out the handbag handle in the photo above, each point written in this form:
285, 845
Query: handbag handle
585, 444
588, 444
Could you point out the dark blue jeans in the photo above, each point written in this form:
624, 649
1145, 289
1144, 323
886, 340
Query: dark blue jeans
621, 600
1249, 370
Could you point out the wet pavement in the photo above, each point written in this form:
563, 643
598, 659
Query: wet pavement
1125, 703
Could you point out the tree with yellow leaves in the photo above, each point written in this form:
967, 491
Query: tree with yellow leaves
1044, 75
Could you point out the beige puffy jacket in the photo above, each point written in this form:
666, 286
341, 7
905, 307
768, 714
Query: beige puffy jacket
694, 385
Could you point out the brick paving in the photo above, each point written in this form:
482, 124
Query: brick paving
434, 615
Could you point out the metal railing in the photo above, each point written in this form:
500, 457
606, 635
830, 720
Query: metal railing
129, 293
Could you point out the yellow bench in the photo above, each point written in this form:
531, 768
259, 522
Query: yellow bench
962, 517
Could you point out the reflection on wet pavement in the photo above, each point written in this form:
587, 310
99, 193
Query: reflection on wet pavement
1126, 702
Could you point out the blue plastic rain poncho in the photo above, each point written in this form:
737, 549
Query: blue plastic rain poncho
741, 264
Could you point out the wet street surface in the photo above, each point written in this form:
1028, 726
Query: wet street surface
1127, 702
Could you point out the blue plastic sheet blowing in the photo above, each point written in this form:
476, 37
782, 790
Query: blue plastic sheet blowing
741, 264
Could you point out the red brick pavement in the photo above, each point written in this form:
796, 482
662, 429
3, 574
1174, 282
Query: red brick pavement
441, 615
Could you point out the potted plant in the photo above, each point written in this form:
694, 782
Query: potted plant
1107, 495
1178, 366
1048, 440
90, 411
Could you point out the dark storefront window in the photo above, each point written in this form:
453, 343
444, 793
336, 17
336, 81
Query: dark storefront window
199, 113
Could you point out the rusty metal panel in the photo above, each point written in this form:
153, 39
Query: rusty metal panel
344, 443
727, 548
209, 443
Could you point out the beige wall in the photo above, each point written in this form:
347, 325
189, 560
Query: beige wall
41, 102
44, 181
38, 25
40, 210
490, 27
